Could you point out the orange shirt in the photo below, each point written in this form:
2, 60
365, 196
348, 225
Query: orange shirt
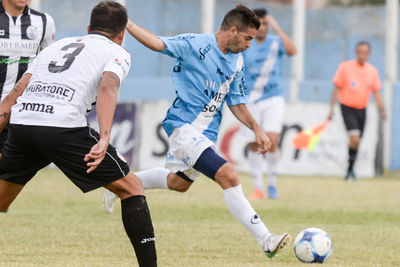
356, 83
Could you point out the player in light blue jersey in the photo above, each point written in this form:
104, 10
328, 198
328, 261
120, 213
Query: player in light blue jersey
263, 62
208, 72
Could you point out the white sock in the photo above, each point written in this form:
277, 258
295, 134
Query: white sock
256, 169
241, 209
156, 178
273, 161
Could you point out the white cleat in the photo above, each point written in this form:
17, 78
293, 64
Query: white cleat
275, 243
108, 201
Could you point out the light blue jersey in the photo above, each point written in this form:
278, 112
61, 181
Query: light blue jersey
263, 64
203, 78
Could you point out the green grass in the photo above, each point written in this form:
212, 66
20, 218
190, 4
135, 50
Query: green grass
53, 224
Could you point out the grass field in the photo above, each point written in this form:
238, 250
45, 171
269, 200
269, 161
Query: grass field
53, 224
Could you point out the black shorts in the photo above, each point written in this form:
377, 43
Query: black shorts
3, 137
354, 119
31, 148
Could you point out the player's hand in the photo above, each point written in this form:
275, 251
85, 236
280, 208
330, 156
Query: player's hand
96, 154
263, 142
272, 22
330, 115
384, 115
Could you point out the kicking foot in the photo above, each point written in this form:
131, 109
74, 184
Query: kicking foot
272, 192
256, 195
108, 201
275, 243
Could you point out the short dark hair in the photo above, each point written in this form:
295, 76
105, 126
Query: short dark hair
260, 12
364, 43
108, 16
241, 17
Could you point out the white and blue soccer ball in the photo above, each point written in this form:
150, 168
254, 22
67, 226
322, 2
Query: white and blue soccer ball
313, 245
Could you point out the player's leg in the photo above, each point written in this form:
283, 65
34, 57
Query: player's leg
136, 217
8, 192
272, 158
68, 147
156, 178
353, 129
215, 167
255, 159
18, 164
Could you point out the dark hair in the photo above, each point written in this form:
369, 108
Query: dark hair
108, 16
260, 12
364, 43
241, 17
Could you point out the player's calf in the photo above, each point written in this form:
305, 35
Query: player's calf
136, 218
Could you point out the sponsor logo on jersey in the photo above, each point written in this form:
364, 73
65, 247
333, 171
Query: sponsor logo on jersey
51, 90
37, 107
9, 61
116, 61
32, 32
203, 51
10, 47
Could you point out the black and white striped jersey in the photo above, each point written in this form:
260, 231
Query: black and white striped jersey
21, 39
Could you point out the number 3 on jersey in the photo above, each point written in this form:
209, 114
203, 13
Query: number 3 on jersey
53, 68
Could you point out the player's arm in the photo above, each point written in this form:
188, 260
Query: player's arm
334, 98
290, 47
107, 97
144, 36
11, 99
243, 115
379, 102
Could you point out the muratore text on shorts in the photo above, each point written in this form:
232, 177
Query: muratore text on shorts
53, 90
37, 107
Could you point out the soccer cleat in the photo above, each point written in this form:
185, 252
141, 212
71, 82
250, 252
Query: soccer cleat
275, 243
272, 192
108, 201
257, 194
350, 176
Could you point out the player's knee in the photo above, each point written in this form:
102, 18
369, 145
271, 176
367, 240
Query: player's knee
176, 183
226, 176
126, 187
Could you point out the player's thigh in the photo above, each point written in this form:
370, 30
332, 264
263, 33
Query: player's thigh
350, 120
67, 147
21, 157
128, 186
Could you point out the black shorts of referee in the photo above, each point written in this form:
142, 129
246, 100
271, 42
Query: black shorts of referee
31, 148
354, 119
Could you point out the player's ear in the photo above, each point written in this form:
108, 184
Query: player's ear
120, 36
88, 29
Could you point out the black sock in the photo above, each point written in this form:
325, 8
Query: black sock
352, 158
139, 228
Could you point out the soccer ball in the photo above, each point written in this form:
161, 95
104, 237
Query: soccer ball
313, 245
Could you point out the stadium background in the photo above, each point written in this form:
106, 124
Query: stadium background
331, 32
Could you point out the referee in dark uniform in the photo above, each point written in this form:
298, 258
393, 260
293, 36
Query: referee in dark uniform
23, 33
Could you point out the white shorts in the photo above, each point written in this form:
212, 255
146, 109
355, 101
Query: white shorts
186, 145
269, 115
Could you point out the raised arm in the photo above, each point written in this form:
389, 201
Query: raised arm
11, 99
290, 47
243, 115
334, 98
106, 102
144, 36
